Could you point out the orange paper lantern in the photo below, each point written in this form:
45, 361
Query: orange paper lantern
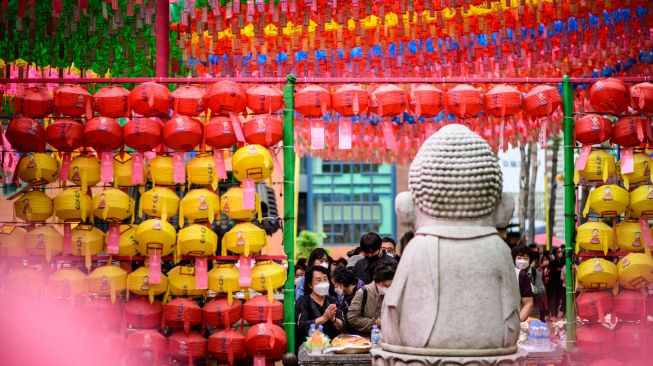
182, 133
26, 135
112, 101
629, 131
187, 347
141, 314
227, 345
264, 99
266, 340
33, 102
464, 101
146, 344
143, 133
388, 100
593, 129
65, 134
266, 130
103, 134
350, 100
226, 97
150, 99
188, 100
73, 100
610, 96
182, 313
313, 101
257, 309
219, 133
541, 101
426, 100
503, 101
642, 97
219, 314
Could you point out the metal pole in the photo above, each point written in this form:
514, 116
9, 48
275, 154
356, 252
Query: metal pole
289, 209
162, 40
570, 214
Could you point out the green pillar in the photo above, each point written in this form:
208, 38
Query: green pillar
289, 209
570, 204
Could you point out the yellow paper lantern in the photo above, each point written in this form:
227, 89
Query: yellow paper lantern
600, 166
156, 234
641, 202
87, 241
223, 279
607, 200
138, 283
24, 282
34, 206
244, 238
159, 202
642, 170
197, 240
231, 204
160, 171
198, 205
85, 171
635, 271
107, 280
200, 170
72, 205
127, 244
122, 171
113, 205
629, 236
67, 282
597, 273
596, 236
45, 241
268, 276
38, 168
252, 162
12, 240
181, 282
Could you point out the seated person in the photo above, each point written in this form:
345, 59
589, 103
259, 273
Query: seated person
365, 309
318, 257
317, 307
345, 285
370, 245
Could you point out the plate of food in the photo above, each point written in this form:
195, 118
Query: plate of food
349, 344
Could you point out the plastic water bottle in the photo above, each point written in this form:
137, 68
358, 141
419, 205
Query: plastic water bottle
311, 330
320, 329
375, 337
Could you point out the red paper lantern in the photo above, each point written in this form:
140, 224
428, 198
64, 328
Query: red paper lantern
227, 345
591, 305
631, 338
182, 313
187, 346
593, 129
595, 340
503, 101
541, 101
389, 100
642, 97
226, 97
112, 101
610, 96
264, 129
219, 133
143, 133
257, 309
73, 100
629, 131
313, 101
426, 100
33, 102
65, 134
26, 135
464, 101
607, 362
146, 345
102, 314
182, 133
350, 100
188, 100
264, 99
103, 134
216, 312
629, 305
266, 340
150, 99
141, 314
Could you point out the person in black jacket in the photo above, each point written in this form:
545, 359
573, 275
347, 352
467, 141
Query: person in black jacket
370, 245
317, 307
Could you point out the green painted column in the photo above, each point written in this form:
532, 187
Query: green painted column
289, 208
570, 204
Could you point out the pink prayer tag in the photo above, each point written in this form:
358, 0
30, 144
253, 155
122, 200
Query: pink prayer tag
344, 134
238, 128
245, 279
646, 231
150, 155
248, 194
155, 268
113, 239
65, 167
317, 137
627, 164
259, 361
388, 135
106, 173
179, 169
582, 159
275, 161
137, 168
218, 156
67, 239
201, 274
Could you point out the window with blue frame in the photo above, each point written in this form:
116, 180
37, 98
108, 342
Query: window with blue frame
346, 217
336, 167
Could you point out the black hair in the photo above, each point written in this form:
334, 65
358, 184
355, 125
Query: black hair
344, 276
384, 271
342, 261
353, 252
301, 262
521, 251
387, 239
408, 236
308, 278
317, 253
370, 242
300, 266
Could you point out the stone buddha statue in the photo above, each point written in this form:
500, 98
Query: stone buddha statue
454, 299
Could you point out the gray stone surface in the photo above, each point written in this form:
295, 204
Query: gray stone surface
385, 358
333, 359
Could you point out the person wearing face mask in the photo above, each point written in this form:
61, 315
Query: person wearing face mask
370, 246
389, 246
345, 285
317, 306
522, 260
300, 270
318, 257
365, 309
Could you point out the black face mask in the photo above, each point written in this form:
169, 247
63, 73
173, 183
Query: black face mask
373, 258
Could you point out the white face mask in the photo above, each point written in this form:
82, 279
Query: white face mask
324, 265
298, 279
521, 263
321, 288
339, 291
382, 290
